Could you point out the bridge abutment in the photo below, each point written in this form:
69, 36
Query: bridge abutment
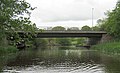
106, 38
93, 40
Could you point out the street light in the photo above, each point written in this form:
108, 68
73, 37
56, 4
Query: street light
92, 18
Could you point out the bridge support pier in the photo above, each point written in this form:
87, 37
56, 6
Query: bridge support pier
93, 40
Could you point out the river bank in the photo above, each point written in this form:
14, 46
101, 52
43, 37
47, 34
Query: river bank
7, 50
110, 48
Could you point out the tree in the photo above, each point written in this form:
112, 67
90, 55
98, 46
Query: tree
86, 28
63, 41
112, 22
101, 24
12, 15
58, 28
40, 43
81, 41
96, 28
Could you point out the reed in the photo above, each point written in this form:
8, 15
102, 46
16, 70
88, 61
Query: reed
112, 47
8, 49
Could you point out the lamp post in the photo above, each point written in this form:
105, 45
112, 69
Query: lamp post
92, 18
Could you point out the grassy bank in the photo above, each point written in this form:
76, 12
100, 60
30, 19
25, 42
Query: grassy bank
5, 54
112, 48
7, 50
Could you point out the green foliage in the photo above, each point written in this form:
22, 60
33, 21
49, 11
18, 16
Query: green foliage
112, 23
8, 49
81, 41
58, 28
40, 43
112, 48
101, 24
14, 16
63, 41
11, 14
51, 41
78, 41
86, 28
96, 28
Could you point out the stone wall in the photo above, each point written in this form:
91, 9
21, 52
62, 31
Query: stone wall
106, 38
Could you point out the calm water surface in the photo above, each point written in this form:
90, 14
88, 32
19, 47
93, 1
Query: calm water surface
59, 61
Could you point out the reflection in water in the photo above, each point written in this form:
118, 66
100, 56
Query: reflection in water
57, 61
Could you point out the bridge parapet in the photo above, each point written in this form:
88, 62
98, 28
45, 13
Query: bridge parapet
65, 31
75, 31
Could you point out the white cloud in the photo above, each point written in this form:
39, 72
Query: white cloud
69, 10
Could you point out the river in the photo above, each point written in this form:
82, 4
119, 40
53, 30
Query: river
59, 61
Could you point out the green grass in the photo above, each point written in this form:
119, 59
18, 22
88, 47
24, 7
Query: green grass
7, 50
112, 48
7, 53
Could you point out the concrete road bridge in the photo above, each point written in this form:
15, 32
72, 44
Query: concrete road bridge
93, 36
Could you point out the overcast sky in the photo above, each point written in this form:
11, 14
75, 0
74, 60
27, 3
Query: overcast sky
69, 13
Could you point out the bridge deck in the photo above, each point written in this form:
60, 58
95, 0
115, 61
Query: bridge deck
70, 34
49, 33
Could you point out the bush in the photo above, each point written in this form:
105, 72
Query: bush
63, 41
40, 43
